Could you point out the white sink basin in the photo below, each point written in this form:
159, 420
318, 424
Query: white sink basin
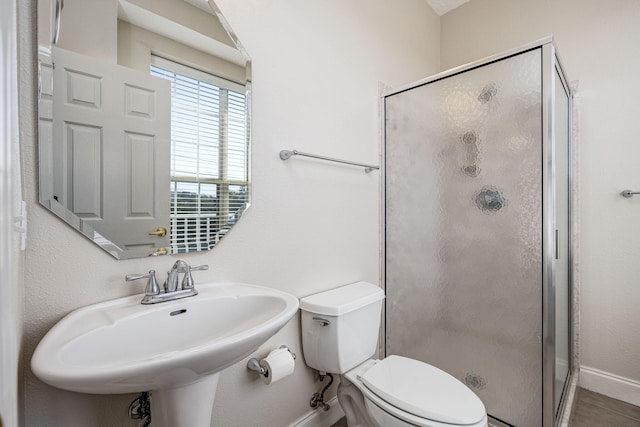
122, 346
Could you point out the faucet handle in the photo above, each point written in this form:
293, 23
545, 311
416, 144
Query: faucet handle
187, 281
152, 287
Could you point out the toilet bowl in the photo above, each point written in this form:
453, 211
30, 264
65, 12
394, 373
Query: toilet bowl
399, 392
339, 335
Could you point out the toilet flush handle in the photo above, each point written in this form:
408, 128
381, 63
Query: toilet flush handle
323, 322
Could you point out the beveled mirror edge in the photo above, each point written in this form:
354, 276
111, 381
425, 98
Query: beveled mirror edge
236, 41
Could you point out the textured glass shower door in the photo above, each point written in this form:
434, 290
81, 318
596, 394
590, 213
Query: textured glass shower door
464, 229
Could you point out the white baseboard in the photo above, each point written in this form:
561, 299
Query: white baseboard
320, 418
611, 385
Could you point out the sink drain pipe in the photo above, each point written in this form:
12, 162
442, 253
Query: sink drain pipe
140, 409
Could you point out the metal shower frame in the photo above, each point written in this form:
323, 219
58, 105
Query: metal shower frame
550, 65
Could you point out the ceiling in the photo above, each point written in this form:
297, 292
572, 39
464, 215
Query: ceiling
443, 6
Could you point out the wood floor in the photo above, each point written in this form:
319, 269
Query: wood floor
591, 410
341, 423
595, 410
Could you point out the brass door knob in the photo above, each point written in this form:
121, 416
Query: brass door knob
160, 251
161, 231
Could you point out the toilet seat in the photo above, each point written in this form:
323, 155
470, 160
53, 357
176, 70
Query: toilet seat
418, 393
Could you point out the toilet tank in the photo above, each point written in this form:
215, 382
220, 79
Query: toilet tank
340, 327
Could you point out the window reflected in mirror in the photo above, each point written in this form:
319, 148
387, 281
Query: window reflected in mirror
209, 175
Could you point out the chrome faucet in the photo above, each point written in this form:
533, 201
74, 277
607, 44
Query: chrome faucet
180, 266
171, 284
153, 294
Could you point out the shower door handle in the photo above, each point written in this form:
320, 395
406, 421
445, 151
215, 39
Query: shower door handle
557, 244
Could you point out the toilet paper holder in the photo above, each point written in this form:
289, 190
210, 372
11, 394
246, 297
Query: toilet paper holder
254, 364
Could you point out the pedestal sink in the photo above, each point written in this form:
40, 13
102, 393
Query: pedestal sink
174, 349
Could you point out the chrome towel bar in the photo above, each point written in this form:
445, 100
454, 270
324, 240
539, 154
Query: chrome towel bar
629, 193
287, 154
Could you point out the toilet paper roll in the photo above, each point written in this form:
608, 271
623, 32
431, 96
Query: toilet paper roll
279, 364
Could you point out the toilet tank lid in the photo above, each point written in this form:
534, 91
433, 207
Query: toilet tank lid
342, 300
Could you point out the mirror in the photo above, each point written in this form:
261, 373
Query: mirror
144, 123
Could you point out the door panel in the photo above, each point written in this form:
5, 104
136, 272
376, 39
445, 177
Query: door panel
108, 115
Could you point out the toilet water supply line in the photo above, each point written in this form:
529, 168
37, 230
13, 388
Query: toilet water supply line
317, 400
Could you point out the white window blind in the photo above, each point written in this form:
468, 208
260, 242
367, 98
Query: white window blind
209, 155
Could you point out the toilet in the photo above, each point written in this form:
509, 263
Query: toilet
340, 330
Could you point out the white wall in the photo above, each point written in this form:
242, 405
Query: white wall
99, 33
136, 46
598, 43
11, 300
312, 226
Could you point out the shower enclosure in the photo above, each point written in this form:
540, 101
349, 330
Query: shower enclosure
477, 230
